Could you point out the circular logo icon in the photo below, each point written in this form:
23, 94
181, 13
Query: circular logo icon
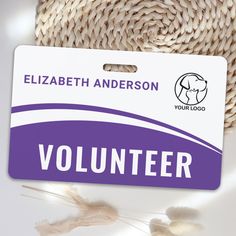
191, 89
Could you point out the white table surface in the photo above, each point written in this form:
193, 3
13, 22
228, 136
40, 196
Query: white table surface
19, 214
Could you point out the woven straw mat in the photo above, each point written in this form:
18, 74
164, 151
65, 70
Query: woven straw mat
185, 26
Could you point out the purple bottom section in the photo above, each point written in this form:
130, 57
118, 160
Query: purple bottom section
25, 161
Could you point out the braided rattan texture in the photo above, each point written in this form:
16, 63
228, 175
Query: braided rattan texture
206, 27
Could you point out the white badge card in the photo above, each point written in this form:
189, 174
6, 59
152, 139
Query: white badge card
160, 125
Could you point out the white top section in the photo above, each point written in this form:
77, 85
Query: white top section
164, 69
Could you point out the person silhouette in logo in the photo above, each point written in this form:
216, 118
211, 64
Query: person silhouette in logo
191, 86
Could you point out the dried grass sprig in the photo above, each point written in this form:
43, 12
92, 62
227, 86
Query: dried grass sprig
182, 213
101, 213
91, 214
181, 222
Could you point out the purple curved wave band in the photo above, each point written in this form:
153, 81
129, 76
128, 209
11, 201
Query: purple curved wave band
50, 106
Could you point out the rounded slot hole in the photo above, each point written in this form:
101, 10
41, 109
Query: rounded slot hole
120, 68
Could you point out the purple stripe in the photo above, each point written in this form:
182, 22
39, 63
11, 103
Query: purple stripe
109, 111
